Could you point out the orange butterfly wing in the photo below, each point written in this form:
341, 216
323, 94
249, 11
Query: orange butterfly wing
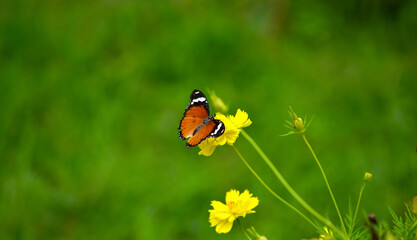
193, 117
202, 134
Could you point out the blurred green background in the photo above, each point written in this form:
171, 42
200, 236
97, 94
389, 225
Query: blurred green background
91, 94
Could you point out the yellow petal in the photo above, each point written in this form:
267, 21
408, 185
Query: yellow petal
214, 221
224, 226
221, 215
216, 217
222, 139
219, 206
207, 147
224, 119
251, 203
246, 203
232, 196
247, 200
231, 136
245, 195
230, 131
220, 211
241, 119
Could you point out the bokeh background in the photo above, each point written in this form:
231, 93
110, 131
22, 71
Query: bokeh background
91, 94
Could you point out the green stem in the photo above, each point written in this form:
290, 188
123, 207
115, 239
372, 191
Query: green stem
290, 189
243, 230
414, 225
272, 192
327, 183
357, 207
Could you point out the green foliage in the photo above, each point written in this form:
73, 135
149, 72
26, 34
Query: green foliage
357, 230
404, 227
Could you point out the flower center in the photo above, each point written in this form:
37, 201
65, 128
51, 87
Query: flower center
231, 204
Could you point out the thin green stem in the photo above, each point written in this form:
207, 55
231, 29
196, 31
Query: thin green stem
243, 230
414, 225
357, 207
290, 189
327, 183
272, 192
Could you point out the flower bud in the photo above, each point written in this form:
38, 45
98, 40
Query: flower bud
414, 208
218, 103
372, 218
261, 238
390, 236
297, 122
255, 234
367, 176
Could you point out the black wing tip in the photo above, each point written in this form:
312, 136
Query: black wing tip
219, 131
197, 93
196, 90
181, 136
189, 145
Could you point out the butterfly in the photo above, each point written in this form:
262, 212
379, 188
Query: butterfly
197, 123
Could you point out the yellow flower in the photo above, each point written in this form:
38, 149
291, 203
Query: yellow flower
207, 147
241, 119
233, 125
237, 205
231, 131
414, 207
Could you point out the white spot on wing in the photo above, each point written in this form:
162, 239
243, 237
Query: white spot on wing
200, 99
190, 135
218, 128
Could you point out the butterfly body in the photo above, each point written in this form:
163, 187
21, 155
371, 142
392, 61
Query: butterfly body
197, 124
